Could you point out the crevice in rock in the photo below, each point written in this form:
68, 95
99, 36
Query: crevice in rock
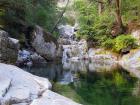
7, 89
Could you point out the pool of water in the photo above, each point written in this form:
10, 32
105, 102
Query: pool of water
91, 83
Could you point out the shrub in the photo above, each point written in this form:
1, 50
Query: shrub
108, 44
123, 42
119, 43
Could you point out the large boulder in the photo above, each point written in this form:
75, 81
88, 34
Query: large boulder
8, 48
18, 87
102, 56
131, 60
136, 35
44, 43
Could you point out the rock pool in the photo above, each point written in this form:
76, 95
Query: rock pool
89, 83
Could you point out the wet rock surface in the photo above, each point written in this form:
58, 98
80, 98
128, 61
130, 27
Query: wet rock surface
29, 58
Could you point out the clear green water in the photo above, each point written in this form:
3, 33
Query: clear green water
113, 87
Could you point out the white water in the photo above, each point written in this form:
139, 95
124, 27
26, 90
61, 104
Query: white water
65, 54
74, 50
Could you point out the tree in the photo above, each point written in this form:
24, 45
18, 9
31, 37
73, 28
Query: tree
61, 16
118, 14
19, 14
100, 6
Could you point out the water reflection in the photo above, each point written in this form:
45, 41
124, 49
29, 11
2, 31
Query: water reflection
67, 72
104, 88
92, 83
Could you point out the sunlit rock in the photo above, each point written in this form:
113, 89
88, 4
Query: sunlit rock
136, 35
91, 52
131, 60
74, 51
51, 98
18, 86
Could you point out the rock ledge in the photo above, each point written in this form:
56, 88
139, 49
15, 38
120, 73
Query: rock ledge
18, 87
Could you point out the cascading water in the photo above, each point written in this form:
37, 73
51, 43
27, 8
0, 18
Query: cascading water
73, 50
65, 55
67, 33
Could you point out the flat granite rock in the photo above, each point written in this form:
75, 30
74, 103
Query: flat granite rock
18, 87
52, 98
4, 85
21, 104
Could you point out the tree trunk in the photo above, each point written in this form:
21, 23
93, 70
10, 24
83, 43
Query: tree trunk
118, 14
100, 7
61, 16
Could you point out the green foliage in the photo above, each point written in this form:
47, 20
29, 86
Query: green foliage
120, 42
1, 15
123, 42
22, 13
109, 43
98, 27
92, 25
119, 80
130, 10
43, 14
106, 88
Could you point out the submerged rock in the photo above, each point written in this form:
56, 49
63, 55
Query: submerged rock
8, 48
18, 87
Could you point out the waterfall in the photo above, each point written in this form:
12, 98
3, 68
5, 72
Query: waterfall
65, 55
67, 33
72, 49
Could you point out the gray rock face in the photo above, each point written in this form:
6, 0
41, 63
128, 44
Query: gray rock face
66, 31
101, 55
131, 60
8, 48
18, 87
136, 34
44, 43
131, 63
